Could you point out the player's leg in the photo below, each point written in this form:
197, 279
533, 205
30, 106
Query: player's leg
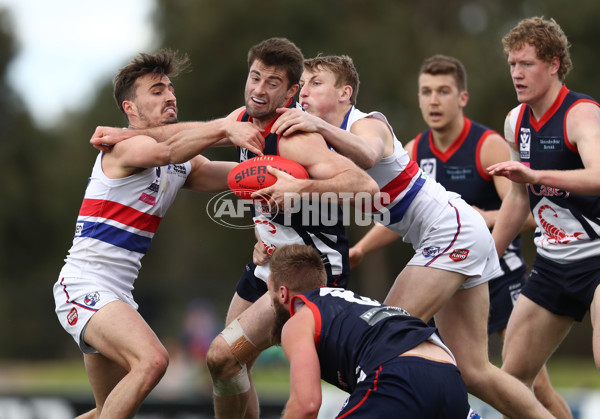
549, 397
104, 375
232, 354
127, 344
595, 317
422, 291
462, 323
504, 291
531, 326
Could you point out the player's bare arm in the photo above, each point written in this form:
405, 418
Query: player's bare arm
297, 341
368, 141
329, 171
207, 175
229, 131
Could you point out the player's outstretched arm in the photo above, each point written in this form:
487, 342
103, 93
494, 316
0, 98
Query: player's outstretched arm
377, 237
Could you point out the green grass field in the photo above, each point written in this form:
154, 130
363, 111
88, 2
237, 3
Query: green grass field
69, 377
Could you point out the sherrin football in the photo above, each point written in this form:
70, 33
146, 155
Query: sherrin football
251, 175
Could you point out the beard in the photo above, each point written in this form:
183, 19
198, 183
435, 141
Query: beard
282, 315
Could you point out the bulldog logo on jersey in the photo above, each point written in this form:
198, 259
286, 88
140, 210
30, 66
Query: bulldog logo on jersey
431, 251
92, 298
525, 143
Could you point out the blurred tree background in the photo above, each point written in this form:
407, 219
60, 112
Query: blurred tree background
44, 171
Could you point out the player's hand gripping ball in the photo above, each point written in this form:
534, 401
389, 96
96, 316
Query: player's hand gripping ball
251, 175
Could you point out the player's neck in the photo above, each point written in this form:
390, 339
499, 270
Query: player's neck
445, 136
338, 117
540, 106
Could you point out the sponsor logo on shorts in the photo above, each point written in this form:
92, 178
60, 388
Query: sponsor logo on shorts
72, 317
431, 251
91, 299
459, 254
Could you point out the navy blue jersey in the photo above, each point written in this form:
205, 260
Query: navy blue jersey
543, 145
354, 335
326, 233
568, 222
459, 170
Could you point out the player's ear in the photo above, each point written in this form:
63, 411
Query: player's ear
129, 107
284, 294
346, 93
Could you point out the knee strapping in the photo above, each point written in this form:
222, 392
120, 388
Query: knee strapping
241, 347
232, 386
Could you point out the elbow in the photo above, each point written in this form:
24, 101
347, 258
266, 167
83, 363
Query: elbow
367, 161
309, 409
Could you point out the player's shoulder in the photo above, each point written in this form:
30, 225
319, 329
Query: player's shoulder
236, 113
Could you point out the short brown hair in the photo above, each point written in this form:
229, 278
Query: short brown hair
281, 53
164, 63
442, 64
341, 66
548, 39
298, 267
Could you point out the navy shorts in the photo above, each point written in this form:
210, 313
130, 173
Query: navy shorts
409, 387
251, 288
564, 289
504, 291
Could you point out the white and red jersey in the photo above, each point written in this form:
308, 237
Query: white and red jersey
415, 200
117, 221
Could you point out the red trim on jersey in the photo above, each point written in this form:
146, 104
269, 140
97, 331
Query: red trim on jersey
445, 155
536, 125
366, 395
316, 315
480, 168
120, 213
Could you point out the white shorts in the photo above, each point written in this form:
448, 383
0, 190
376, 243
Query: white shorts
76, 301
459, 241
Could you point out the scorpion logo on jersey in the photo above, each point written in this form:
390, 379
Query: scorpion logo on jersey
554, 234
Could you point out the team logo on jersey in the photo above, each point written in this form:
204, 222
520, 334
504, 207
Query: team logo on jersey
428, 166
459, 254
525, 143
431, 251
515, 291
92, 298
72, 317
